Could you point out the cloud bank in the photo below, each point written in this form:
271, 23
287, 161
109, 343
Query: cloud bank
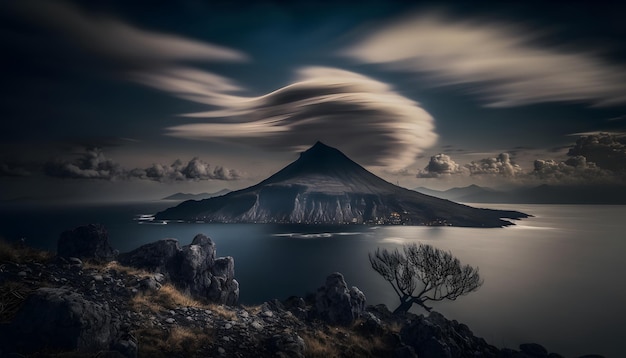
440, 165
500, 165
500, 62
94, 165
328, 104
593, 159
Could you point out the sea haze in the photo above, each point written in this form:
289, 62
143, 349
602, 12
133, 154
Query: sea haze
552, 279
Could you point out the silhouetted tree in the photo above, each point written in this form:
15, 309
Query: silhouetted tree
422, 273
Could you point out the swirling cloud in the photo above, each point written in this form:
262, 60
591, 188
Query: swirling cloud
500, 62
363, 117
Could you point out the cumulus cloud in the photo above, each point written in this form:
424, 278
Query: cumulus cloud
91, 165
575, 170
193, 170
501, 62
440, 165
500, 165
607, 151
94, 165
384, 127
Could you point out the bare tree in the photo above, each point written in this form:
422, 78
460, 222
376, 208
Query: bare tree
423, 273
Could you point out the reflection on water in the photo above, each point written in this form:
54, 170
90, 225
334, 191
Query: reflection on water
551, 279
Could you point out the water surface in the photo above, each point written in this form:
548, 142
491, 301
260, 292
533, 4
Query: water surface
555, 278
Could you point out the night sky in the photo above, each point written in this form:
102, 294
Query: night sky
120, 100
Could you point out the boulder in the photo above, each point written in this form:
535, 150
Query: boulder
159, 256
59, 319
193, 268
287, 345
435, 336
338, 305
90, 241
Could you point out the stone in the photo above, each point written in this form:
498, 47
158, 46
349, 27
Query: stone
149, 284
90, 241
158, 256
288, 345
534, 350
194, 268
436, 336
336, 304
59, 319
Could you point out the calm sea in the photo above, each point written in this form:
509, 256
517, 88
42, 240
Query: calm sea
556, 279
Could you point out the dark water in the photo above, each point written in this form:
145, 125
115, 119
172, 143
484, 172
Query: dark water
556, 279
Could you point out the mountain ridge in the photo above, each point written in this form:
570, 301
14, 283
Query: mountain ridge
325, 186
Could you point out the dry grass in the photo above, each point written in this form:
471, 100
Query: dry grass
168, 297
223, 311
115, 266
177, 341
12, 295
340, 342
13, 252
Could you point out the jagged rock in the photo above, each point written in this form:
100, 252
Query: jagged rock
159, 256
288, 345
149, 284
371, 325
336, 304
193, 268
534, 350
90, 241
59, 319
435, 336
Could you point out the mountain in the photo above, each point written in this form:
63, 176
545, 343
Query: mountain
186, 196
325, 186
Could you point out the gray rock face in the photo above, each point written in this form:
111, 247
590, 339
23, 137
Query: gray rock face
59, 319
192, 268
336, 304
90, 241
435, 336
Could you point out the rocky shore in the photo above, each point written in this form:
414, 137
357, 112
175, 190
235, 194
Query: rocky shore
164, 300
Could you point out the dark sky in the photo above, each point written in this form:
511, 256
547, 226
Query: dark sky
136, 100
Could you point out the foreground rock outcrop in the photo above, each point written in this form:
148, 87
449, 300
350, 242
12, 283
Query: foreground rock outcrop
66, 307
336, 304
193, 268
90, 241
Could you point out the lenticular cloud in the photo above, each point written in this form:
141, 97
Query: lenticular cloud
384, 128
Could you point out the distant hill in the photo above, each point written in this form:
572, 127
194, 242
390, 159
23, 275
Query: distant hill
201, 196
542, 194
325, 186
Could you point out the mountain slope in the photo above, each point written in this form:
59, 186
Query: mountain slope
188, 196
325, 186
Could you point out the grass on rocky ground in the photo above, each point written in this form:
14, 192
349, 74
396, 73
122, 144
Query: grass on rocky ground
335, 342
178, 341
174, 342
19, 253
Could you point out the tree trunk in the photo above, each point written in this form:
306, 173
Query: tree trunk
404, 307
